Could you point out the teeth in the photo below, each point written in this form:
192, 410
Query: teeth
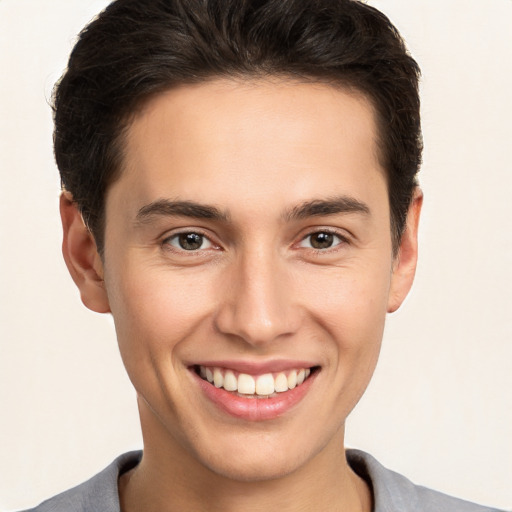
292, 379
281, 383
230, 381
262, 385
218, 378
246, 384
265, 384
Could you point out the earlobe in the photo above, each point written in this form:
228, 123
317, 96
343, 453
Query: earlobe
404, 266
81, 256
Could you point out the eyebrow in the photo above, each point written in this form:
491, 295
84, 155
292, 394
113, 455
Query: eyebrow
191, 209
331, 206
168, 208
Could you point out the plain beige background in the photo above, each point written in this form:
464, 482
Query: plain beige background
439, 409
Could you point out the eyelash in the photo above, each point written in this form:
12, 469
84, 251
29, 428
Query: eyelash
166, 242
342, 240
167, 245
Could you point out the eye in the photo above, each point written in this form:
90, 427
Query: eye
321, 240
189, 241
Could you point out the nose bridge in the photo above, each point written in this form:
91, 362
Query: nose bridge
258, 304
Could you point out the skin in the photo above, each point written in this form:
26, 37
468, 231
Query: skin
255, 291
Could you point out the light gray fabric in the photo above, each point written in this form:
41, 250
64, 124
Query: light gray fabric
99, 494
395, 493
392, 492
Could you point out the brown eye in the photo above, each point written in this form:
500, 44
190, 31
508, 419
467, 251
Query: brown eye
321, 240
189, 241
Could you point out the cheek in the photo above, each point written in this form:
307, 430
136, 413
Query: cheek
353, 315
357, 327
156, 310
350, 306
350, 303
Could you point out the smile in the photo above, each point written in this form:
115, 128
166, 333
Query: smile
267, 385
253, 393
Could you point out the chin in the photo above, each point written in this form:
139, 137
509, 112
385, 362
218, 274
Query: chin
256, 469
258, 457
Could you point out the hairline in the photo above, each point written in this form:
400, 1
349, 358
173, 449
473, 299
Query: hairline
137, 108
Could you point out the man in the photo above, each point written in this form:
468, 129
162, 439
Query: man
240, 193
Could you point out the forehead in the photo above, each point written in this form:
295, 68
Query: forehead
229, 141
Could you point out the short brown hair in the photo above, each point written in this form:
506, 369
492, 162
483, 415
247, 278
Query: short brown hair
137, 48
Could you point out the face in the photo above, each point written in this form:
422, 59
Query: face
248, 267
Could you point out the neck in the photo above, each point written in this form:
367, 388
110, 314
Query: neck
170, 479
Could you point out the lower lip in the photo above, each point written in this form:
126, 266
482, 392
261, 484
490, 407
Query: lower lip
254, 409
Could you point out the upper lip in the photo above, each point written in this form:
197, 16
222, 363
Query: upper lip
256, 367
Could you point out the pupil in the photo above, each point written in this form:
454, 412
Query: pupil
322, 240
191, 241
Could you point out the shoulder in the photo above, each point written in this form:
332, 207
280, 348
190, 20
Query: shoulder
98, 493
395, 493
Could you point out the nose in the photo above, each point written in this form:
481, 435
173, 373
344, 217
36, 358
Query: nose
257, 302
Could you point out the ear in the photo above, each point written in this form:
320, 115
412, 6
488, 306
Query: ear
404, 266
81, 256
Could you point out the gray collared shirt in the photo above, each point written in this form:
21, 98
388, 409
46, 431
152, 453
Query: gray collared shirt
391, 492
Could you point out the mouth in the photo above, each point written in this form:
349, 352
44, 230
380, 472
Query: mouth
266, 385
256, 396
